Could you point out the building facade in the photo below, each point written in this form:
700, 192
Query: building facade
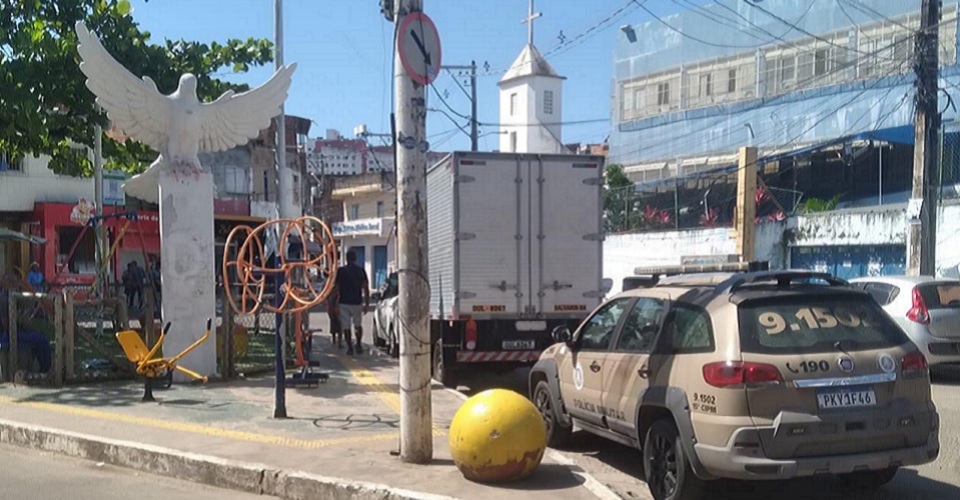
825, 92
368, 227
681, 105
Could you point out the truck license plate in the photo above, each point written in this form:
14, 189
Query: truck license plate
515, 345
846, 398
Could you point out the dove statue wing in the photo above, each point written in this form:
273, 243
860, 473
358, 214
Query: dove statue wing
134, 105
233, 119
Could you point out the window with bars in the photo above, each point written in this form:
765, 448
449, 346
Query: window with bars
732, 80
548, 102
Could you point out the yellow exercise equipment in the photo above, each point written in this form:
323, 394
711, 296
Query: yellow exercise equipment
497, 436
149, 365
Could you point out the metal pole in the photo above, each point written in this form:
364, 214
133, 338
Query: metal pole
284, 193
416, 439
474, 133
880, 178
101, 229
922, 228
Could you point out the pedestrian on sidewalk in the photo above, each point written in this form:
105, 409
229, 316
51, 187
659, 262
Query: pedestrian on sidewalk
35, 277
353, 296
133, 279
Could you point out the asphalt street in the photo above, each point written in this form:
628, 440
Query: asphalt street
28, 474
619, 467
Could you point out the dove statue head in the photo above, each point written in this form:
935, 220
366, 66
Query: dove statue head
188, 83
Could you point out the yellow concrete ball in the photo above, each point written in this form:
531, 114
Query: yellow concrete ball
497, 436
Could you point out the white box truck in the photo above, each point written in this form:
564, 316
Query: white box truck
515, 250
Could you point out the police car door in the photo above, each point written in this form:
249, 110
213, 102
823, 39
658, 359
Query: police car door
583, 371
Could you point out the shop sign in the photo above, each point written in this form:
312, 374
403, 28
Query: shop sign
358, 228
113, 188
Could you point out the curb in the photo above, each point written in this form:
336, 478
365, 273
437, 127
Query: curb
213, 471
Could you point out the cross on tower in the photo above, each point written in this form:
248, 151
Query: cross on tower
531, 16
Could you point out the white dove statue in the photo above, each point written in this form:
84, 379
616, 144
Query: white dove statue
177, 125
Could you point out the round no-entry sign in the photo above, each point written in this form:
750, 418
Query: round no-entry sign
419, 45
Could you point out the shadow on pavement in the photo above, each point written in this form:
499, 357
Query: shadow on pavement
548, 477
908, 484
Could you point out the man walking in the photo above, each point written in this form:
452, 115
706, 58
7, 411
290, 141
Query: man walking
133, 279
353, 295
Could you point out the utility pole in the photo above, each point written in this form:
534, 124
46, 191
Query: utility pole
922, 209
474, 133
746, 204
416, 420
474, 124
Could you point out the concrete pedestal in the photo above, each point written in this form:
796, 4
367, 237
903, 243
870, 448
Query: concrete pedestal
187, 264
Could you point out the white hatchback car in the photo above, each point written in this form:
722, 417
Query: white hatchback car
927, 308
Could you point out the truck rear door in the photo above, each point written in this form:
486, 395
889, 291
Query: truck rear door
493, 233
567, 258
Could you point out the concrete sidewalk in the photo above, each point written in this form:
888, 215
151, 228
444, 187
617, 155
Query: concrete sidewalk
339, 441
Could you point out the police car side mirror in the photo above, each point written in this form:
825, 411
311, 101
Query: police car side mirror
606, 285
561, 334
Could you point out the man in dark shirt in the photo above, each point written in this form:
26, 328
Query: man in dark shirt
353, 295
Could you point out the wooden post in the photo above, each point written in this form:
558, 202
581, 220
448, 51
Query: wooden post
149, 311
121, 315
746, 204
228, 348
69, 332
58, 340
14, 362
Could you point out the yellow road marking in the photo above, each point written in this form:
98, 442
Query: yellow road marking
387, 395
307, 444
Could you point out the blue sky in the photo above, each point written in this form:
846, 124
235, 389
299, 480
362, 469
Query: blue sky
343, 51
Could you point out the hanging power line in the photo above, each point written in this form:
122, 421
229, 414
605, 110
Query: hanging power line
596, 28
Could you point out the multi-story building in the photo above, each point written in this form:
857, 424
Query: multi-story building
338, 156
369, 220
824, 90
263, 166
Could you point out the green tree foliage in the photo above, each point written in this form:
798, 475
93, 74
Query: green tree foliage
616, 197
816, 205
45, 108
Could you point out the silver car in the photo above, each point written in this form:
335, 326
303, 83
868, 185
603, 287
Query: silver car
927, 308
385, 317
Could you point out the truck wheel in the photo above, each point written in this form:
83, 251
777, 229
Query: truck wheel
666, 465
440, 372
558, 434
867, 481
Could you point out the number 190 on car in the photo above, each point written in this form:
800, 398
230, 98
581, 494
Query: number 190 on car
846, 398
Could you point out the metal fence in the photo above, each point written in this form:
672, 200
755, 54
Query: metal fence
698, 201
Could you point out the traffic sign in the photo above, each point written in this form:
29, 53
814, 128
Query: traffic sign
419, 47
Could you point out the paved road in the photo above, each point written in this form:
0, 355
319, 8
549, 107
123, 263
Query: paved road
28, 474
619, 466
